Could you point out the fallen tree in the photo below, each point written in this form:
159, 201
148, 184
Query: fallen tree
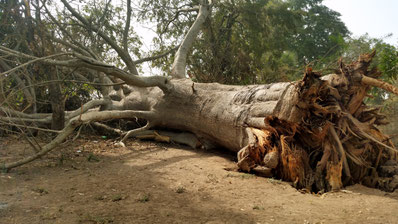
316, 133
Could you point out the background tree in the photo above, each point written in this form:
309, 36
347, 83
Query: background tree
321, 33
254, 41
385, 61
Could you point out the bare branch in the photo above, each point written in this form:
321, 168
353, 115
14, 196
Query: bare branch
23, 120
156, 56
177, 14
10, 52
107, 128
78, 81
3, 120
84, 108
82, 61
380, 84
180, 60
135, 131
124, 55
127, 26
24, 115
33, 61
78, 47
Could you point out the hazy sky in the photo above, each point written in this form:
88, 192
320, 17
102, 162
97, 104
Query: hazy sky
375, 17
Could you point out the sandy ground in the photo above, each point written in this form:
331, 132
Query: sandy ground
93, 181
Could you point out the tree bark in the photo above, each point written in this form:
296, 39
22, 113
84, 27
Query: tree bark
318, 132
56, 100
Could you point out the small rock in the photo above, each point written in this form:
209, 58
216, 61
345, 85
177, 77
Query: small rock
271, 159
3, 205
120, 144
263, 171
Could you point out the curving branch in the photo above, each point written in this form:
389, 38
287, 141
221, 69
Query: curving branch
139, 61
23, 120
380, 84
127, 26
24, 115
33, 61
136, 131
81, 61
180, 60
87, 106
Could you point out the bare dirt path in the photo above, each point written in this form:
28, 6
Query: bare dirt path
93, 181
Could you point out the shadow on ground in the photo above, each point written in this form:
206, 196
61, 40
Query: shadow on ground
92, 181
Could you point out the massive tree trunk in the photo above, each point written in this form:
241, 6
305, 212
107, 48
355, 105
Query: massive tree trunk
316, 133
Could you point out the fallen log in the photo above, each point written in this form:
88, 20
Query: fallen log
316, 133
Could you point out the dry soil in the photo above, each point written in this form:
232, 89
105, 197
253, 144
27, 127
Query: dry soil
91, 180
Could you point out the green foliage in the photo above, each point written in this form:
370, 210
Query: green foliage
110, 19
245, 42
251, 41
385, 61
320, 35
15, 28
29, 31
388, 61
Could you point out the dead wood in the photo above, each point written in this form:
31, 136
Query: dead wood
329, 139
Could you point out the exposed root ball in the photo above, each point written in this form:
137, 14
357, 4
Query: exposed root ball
332, 140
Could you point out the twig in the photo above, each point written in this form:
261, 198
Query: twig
31, 144
25, 126
106, 127
78, 133
139, 61
33, 61
135, 131
81, 112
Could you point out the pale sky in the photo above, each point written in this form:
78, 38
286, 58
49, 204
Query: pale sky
375, 17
